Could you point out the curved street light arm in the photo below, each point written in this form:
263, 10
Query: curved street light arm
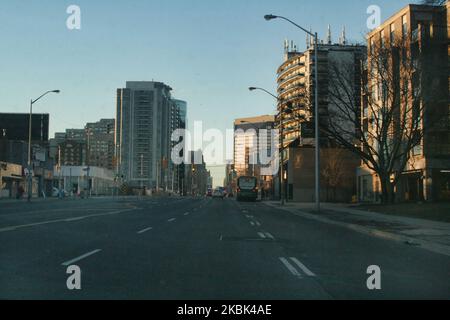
300, 27
51, 91
264, 90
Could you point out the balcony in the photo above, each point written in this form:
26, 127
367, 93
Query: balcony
289, 68
282, 91
283, 81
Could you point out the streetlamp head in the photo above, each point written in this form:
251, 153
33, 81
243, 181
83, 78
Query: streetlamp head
56, 91
269, 17
252, 88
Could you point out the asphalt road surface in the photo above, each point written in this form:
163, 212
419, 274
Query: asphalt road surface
188, 249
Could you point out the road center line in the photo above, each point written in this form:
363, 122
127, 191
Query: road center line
290, 267
145, 230
84, 256
303, 267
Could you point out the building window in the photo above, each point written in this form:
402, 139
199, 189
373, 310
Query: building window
392, 34
404, 27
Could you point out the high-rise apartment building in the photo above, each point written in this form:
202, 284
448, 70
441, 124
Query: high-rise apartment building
296, 115
182, 124
145, 119
100, 143
92, 146
296, 81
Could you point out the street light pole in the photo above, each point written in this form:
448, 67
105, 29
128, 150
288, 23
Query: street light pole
30, 169
316, 111
281, 173
316, 121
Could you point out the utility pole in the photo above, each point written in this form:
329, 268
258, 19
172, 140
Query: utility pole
282, 158
316, 104
142, 174
60, 172
88, 155
157, 176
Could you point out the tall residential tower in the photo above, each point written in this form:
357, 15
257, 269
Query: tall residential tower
145, 119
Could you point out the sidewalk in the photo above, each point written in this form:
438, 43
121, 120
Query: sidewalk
430, 235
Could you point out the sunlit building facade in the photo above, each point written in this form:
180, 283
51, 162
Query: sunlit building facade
254, 139
423, 31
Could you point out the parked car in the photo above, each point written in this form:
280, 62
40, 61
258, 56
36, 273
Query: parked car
55, 193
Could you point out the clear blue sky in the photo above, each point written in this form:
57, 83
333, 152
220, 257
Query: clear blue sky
209, 51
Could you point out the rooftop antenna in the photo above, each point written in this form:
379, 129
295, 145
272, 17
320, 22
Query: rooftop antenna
329, 35
343, 37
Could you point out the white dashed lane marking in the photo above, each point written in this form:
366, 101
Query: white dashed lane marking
84, 256
145, 230
295, 267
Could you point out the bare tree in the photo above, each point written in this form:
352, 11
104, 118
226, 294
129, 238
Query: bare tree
389, 122
434, 2
332, 170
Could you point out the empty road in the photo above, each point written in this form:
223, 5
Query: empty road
189, 249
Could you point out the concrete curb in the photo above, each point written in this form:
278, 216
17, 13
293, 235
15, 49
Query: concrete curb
427, 245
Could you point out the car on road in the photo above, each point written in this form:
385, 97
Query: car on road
57, 193
218, 193
247, 189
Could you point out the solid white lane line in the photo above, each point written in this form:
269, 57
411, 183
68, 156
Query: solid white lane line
84, 256
12, 228
270, 236
290, 268
171, 220
262, 235
303, 267
75, 219
145, 230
